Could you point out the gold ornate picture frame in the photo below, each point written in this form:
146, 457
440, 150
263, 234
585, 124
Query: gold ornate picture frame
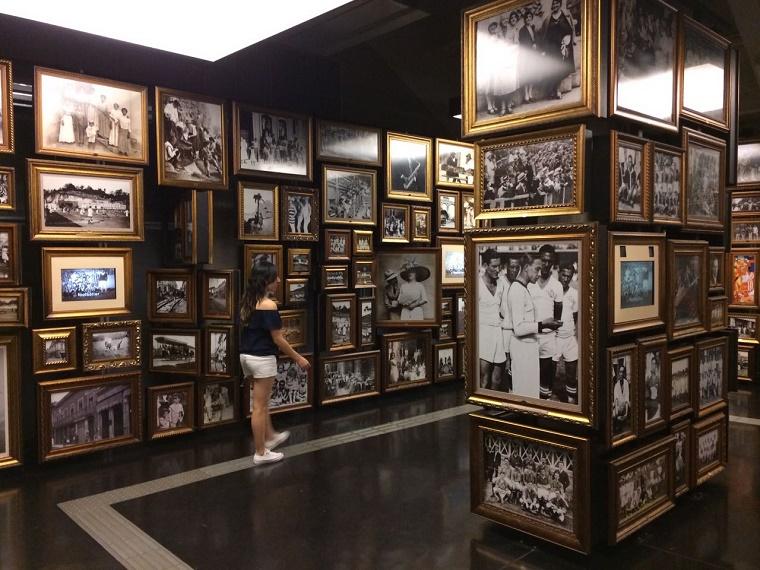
54, 350
408, 167
6, 106
111, 344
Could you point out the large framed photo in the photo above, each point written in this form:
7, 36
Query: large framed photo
525, 63
644, 82
340, 322
10, 402
411, 289
72, 201
86, 282
668, 185
175, 351
540, 174
709, 440
253, 254
716, 277
349, 377
353, 144
445, 361
6, 106
218, 294
192, 141
258, 211
641, 488
88, 117
54, 350
14, 307
271, 144
219, 345
111, 344
171, 296
705, 181
503, 455
654, 399
407, 360
408, 167
705, 75
7, 189
637, 263
300, 214
218, 402
623, 397
449, 212
455, 164
748, 164
711, 386
549, 289
682, 457
452, 262
10, 254
294, 327
746, 326
743, 286
630, 197
396, 223
681, 368
171, 410
110, 414
687, 288
349, 195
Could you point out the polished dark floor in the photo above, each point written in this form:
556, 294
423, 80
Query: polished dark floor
400, 500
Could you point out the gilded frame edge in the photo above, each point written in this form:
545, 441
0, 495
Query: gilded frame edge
443, 184
14, 424
188, 275
135, 360
285, 234
396, 194
69, 334
612, 440
373, 190
7, 102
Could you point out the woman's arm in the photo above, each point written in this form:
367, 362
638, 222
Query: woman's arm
286, 349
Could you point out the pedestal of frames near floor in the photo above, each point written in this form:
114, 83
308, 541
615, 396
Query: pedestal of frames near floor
599, 285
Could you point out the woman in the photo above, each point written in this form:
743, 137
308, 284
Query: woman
261, 341
412, 294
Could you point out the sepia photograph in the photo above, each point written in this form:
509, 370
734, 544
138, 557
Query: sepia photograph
745, 325
258, 207
366, 323
631, 179
411, 288
668, 185
407, 360
455, 162
111, 344
748, 164
349, 195
294, 327
335, 277
337, 245
348, 377
349, 143
364, 274
273, 144
296, 292
705, 180
299, 262
219, 360
743, 286
642, 487
395, 223
173, 411
53, 350
445, 360
622, 374
363, 242
89, 117
340, 320
468, 211
681, 361
218, 402
712, 361
300, 214
6, 106
171, 295
218, 294
174, 351
191, 141
7, 187
408, 167
422, 224
654, 411
687, 288
448, 212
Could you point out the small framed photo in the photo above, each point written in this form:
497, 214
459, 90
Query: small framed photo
746, 362
299, 261
258, 211
335, 277
681, 368
271, 144
218, 294
10, 402
353, 144
641, 488
622, 363
709, 448
171, 296
363, 242
175, 351
705, 181
54, 350
111, 344
337, 245
421, 230
448, 212
411, 288
446, 306
745, 232
682, 457
300, 214
7, 189
192, 142
407, 360
717, 307
296, 292
746, 326
461, 314
446, 330
455, 164
86, 282
219, 361
748, 171
349, 377
468, 211
668, 185
637, 263
218, 402
630, 175
6, 106
711, 381
408, 167
395, 223
743, 287
445, 361
716, 268
366, 315
349, 195
294, 327
654, 401
687, 288
116, 396
452, 262
340, 322
10, 254
171, 410
364, 270
253, 254
14, 307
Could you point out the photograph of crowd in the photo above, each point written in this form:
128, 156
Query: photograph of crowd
335, 277
349, 195
173, 351
448, 211
95, 284
395, 223
529, 58
274, 143
171, 297
338, 243
407, 359
700, 52
344, 377
703, 183
291, 386
747, 232
219, 360
409, 167
637, 284
529, 479
641, 487
711, 375
708, 451
688, 289
172, 410
743, 279
746, 325
446, 365
653, 384
622, 404
680, 377
456, 164
745, 203
218, 402
667, 186
258, 209
301, 214
748, 163
410, 286
529, 174
629, 179
350, 143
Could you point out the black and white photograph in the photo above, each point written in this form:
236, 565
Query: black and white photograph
191, 140
111, 345
363, 242
681, 465
455, 163
8, 250
667, 199
530, 479
745, 232
745, 204
7, 186
409, 167
218, 295
341, 322
468, 211
461, 314
688, 289
452, 258
637, 284
748, 164
630, 179
407, 359
411, 288
349, 143
708, 448
705, 80
395, 223
743, 361
337, 245
363, 274
171, 297
217, 402
645, 47
642, 486
87, 284
350, 377
259, 215
87, 117
446, 330
12, 310
448, 211
445, 361
174, 351
711, 375
299, 262
294, 327
172, 409
621, 370
705, 168
55, 351
300, 216
296, 291
219, 358
654, 396
349, 195
745, 325
366, 322
291, 387
335, 277
254, 253
680, 382
421, 222
273, 144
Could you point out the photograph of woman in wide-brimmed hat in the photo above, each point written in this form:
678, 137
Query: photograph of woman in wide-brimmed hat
411, 288
412, 296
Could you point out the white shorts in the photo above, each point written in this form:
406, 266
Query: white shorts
547, 345
258, 366
567, 348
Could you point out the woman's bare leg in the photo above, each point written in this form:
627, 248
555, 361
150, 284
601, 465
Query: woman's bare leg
260, 422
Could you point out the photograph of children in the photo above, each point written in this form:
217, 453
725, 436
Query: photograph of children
174, 352
341, 319
456, 164
468, 211
646, 37
711, 375
748, 163
703, 183
688, 289
395, 223
344, 377
172, 410
337, 245
680, 381
448, 211
708, 451
745, 203
653, 393
700, 52
349, 143
629, 179
408, 359
89, 117
667, 186
744, 279
291, 386
301, 215
637, 284
747, 232
529, 479
274, 143
218, 355
349, 195
622, 404
366, 322
258, 205
218, 402
410, 287
445, 362
640, 487
92, 284
409, 168
746, 325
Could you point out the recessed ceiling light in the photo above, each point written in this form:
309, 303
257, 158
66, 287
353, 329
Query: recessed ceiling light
206, 31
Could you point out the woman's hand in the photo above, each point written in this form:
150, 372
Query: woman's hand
302, 363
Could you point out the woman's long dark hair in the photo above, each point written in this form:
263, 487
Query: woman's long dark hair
262, 275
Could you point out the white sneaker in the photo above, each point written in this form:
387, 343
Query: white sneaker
267, 457
277, 440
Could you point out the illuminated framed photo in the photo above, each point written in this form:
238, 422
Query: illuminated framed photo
455, 164
408, 167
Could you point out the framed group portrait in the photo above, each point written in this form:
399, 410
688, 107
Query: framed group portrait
745, 232
668, 187
7, 189
558, 264
455, 164
630, 192
743, 285
170, 410
111, 344
300, 214
363, 242
218, 294
293, 387
408, 167
687, 288
654, 399
681, 368
349, 195
273, 253
6, 107
258, 211
353, 144
171, 296
54, 350
335, 277
191, 140
10, 402
407, 360
705, 180
337, 245
175, 351
421, 224
623, 394
709, 441
710, 392
396, 223
349, 377
748, 168
340, 322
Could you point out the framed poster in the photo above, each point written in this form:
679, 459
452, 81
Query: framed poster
253, 254
622, 410
54, 350
6, 106
408, 167
743, 288
668, 186
709, 440
682, 457
711, 382
407, 360
218, 402
455, 164
220, 357
300, 214
10, 402
171, 296
354, 144
687, 288
449, 221
452, 262
171, 410
681, 367
111, 344
218, 294
748, 164
175, 351
7, 189
631, 190
349, 377
258, 211
705, 181
421, 224
349, 195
